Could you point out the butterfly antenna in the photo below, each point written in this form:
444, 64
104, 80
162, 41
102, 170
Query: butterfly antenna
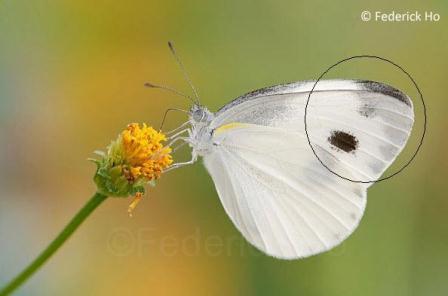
170, 89
184, 72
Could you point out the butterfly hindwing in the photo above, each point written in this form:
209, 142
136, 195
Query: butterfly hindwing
278, 195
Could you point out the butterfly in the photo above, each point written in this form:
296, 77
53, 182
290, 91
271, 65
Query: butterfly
272, 186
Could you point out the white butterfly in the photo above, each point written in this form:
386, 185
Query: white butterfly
272, 186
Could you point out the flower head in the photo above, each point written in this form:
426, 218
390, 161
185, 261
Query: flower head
144, 152
137, 157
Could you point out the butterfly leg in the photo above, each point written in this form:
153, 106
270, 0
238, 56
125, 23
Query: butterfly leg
175, 148
193, 159
183, 125
183, 139
176, 135
181, 164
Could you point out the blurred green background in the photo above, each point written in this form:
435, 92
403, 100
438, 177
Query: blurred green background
71, 77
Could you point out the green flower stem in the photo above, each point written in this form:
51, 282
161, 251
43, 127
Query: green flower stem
85, 211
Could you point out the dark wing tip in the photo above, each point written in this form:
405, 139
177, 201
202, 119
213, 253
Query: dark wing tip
385, 90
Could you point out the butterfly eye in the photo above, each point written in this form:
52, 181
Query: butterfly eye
198, 115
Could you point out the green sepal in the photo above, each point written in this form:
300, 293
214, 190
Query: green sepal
100, 153
111, 181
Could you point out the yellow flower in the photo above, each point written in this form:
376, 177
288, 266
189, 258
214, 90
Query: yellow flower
137, 157
144, 153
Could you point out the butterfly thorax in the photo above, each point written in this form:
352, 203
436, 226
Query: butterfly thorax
201, 132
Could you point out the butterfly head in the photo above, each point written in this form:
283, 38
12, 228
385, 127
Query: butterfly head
200, 114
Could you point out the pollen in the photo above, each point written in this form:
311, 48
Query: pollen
144, 153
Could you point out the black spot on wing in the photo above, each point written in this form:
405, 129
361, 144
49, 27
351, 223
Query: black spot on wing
343, 141
385, 90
